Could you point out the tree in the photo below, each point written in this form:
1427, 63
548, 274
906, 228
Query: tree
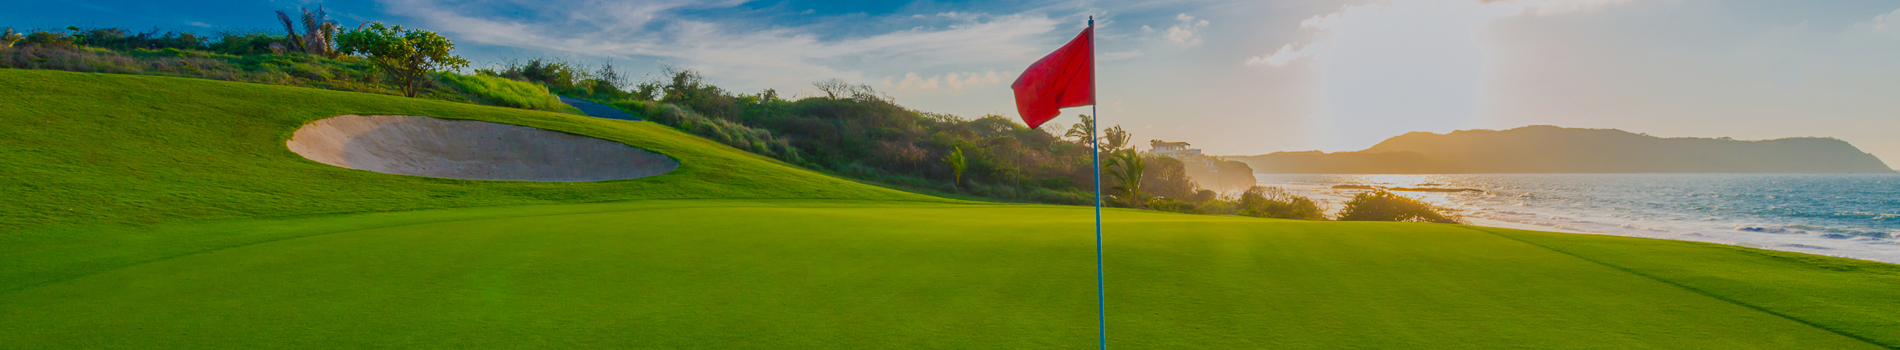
1125, 167
957, 164
409, 54
832, 87
1114, 139
319, 32
1082, 132
9, 37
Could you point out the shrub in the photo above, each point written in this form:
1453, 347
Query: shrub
1171, 205
50, 40
234, 43
1268, 202
1382, 205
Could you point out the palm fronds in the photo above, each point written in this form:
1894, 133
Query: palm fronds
317, 36
1125, 167
9, 37
296, 40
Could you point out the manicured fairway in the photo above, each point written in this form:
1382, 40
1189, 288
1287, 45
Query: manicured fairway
152, 212
829, 274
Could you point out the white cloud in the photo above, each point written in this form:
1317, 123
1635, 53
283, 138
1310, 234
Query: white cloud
198, 24
1286, 54
1545, 7
1888, 23
1184, 32
956, 81
738, 54
911, 81
972, 79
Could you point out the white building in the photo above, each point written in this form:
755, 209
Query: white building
1178, 150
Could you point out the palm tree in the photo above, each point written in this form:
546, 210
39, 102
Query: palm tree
1081, 132
957, 164
1114, 139
1125, 166
319, 32
8, 38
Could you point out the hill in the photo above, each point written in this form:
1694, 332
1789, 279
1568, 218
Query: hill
152, 212
1550, 149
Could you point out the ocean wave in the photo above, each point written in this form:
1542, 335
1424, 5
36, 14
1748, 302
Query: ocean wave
1819, 231
1803, 246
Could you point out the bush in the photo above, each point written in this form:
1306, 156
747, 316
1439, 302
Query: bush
1382, 205
1171, 205
1268, 202
50, 40
234, 43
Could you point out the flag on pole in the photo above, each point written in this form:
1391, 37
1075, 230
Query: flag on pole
1065, 78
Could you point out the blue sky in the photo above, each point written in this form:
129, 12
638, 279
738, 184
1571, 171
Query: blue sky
1233, 77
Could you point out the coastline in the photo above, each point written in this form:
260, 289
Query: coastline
1805, 213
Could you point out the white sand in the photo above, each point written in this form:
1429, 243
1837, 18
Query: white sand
467, 149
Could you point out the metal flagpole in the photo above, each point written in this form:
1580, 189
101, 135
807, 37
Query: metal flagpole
1101, 293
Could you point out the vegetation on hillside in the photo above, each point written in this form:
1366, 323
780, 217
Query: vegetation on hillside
123, 149
303, 56
851, 131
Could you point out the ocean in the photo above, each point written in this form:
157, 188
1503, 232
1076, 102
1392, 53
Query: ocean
1845, 215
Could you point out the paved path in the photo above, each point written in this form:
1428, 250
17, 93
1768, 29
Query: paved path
597, 110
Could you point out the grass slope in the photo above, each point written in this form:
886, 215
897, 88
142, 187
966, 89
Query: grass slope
165, 213
83, 148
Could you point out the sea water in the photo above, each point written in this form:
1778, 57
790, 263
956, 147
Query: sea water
1845, 215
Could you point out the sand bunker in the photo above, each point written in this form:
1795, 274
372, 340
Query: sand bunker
467, 149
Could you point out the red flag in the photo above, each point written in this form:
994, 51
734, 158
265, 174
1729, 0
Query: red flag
1065, 78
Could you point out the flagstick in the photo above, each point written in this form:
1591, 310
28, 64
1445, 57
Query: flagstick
1101, 293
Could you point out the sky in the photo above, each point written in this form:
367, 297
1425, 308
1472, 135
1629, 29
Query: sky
1231, 77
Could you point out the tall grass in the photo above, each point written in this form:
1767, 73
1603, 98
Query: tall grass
755, 140
504, 92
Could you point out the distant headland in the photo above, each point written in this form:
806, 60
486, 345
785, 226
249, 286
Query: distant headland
1551, 149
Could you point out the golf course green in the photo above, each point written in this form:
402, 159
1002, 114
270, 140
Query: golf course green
157, 212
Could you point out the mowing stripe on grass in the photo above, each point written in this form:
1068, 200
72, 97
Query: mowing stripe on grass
400, 219
1698, 291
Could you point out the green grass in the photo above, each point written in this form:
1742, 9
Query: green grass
500, 91
165, 213
873, 274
